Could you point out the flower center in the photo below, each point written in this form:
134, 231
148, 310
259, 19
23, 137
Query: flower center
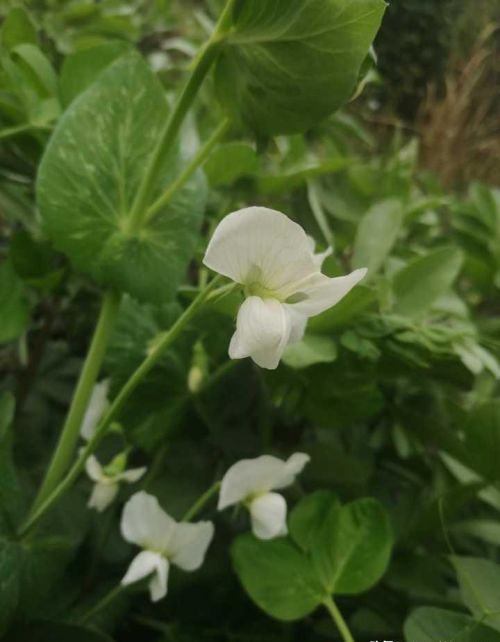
257, 289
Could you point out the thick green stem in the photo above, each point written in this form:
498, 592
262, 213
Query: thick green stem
113, 411
336, 615
202, 65
68, 439
183, 178
201, 501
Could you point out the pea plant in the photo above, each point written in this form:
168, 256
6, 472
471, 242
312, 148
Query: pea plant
191, 453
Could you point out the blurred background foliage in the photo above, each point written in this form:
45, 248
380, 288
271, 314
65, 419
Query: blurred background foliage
394, 392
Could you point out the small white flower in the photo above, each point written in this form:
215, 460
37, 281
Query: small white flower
107, 480
273, 258
164, 541
250, 481
98, 405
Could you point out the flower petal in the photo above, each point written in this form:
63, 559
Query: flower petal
262, 332
132, 475
261, 245
268, 513
293, 466
144, 563
102, 496
321, 292
94, 469
251, 477
145, 523
97, 406
158, 583
189, 544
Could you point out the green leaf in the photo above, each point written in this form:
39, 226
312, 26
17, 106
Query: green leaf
311, 350
350, 546
288, 63
376, 235
482, 439
277, 577
45, 631
479, 581
13, 304
89, 176
82, 68
229, 162
424, 280
17, 28
430, 624
10, 567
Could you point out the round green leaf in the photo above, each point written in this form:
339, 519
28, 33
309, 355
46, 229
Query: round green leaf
277, 577
89, 176
428, 624
289, 63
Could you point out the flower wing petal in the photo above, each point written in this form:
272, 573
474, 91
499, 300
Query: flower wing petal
132, 475
321, 292
143, 564
262, 332
263, 245
268, 514
189, 544
94, 469
158, 583
145, 523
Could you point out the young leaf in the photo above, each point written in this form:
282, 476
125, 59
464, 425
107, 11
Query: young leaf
288, 63
229, 162
89, 176
277, 577
17, 29
376, 234
311, 350
421, 282
428, 624
479, 581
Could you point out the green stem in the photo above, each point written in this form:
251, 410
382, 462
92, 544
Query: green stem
137, 376
201, 501
341, 624
198, 160
202, 65
103, 602
68, 439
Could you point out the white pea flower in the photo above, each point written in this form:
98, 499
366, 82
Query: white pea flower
250, 482
163, 540
273, 258
98, 405
107, 479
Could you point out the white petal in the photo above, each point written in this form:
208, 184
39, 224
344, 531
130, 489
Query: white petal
293, 467
132, 475
144, 564
260, 245
97, 405
158, 583
145, 523
321, 292
251, 477
262, 332
319, 257
268, 514
102, 496
298, 324
94, 469
189, 544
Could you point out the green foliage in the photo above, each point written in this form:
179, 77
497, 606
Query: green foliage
287, 65
332, 549
90, 174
